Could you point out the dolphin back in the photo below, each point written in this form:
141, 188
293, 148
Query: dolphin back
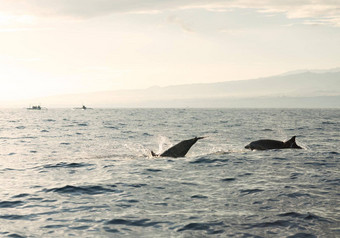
180, 149
265, 145
273, 144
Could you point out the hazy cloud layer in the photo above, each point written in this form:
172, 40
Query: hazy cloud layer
324, 11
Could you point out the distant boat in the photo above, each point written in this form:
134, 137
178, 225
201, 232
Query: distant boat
34, 108
82, 108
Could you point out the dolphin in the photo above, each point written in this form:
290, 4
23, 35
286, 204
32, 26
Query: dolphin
273, 144
178, 150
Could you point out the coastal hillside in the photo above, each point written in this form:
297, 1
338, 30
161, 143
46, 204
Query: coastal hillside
301, 89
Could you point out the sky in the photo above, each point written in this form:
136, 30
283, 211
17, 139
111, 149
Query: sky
51, 47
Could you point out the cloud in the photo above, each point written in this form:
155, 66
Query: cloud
178, 21
86, 8
326, 10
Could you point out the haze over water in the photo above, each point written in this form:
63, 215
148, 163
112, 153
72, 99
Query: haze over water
89, 173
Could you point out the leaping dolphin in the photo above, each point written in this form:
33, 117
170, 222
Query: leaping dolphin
273, 144
180, 149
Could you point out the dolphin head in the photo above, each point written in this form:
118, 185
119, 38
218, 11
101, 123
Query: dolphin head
291, 143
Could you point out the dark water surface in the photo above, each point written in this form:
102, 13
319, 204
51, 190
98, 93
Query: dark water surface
75, 173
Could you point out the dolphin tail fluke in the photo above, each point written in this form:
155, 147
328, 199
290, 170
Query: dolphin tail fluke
202, 137
153, 153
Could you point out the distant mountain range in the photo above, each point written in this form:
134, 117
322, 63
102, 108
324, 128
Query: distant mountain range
302, 89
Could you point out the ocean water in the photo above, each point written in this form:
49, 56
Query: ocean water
89, 173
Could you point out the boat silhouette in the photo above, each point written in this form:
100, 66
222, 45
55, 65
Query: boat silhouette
34, 108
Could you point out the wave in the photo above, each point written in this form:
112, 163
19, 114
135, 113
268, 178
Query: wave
21, 195
296, 195
82, 124
204, 160
14, 235
302, 235
198, 196
10, 204
49, 120
251, 191
329, 123
335, 181
153, 170
141, 222
277, 223
66, 165
112, 127
16, 217
228, 179
54, 226
204, 226
137, 185
90, 190
308, 216
266, 129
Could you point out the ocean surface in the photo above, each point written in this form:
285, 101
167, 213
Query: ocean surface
89, 173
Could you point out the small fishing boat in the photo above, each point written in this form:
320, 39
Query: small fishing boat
34, 108
82, 108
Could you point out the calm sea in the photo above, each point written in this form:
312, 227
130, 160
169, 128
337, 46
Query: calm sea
89, 173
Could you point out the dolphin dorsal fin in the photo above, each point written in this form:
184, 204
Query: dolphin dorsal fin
291, 143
